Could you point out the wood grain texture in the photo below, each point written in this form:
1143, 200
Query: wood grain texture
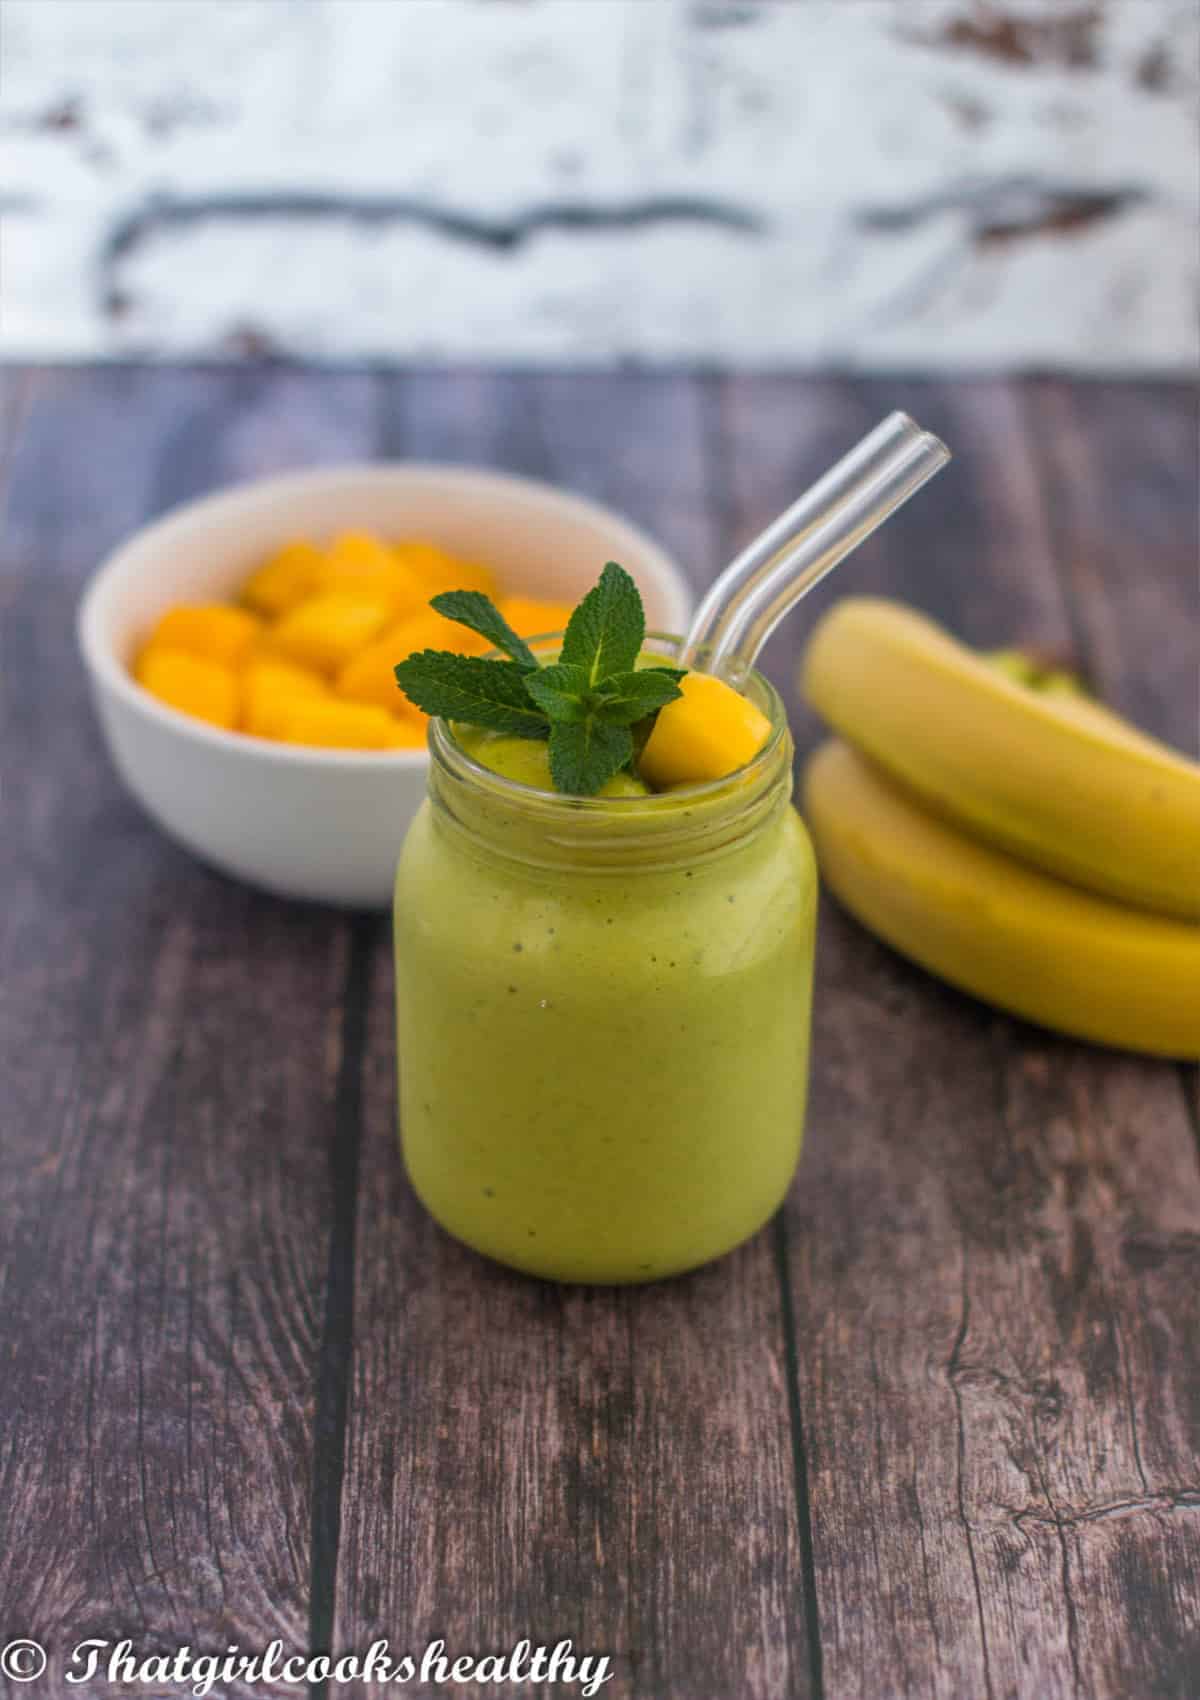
1121, 485
530, 1461
935, 1433
975, 1317
170, 1046
1120, 480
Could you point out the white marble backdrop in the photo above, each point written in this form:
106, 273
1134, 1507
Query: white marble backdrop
942, 184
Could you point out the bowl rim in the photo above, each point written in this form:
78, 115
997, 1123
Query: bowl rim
124, 559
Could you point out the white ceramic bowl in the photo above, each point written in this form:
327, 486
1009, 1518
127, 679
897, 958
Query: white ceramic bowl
325, 825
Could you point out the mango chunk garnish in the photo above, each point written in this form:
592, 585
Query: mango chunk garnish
269, 690
194, 685
284, 579
708, 732
324, 631
530, 617
212, 630
331, 724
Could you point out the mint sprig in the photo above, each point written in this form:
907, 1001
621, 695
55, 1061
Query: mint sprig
560, 691
606, 632
585, 754
593, 704
468, 687
471, 608
627, 697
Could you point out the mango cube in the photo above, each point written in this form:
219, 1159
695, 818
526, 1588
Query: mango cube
269, 689
212, 630
330, 724
431, 630
370, 677
324, 631
205, 689
708, 732
436, 570
361, 564
529, 617
309, 617
286, 578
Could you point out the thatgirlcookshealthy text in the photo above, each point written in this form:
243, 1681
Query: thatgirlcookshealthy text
198, 1673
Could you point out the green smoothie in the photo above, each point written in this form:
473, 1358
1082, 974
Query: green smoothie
603, 1011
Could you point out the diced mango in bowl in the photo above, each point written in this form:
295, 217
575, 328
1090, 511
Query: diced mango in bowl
216, 633
205, 689
347, 726
270, 689
530, 617
361, 565
369, 674
306, 652
325, 630
284, 578
439, 571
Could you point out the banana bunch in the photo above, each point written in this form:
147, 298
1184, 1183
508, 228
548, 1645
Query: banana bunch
1005, 831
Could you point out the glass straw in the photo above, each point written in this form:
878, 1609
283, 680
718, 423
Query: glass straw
795, 552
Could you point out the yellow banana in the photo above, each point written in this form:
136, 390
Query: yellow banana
990, 924
1052, 777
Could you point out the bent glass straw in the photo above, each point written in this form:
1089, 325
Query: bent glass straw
795, 552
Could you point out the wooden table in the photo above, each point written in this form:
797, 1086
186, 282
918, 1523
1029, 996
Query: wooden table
935, 1432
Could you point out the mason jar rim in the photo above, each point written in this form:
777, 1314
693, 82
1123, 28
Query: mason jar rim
573, 828
442, 741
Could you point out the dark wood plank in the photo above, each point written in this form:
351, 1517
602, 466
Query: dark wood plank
640, 444
171, 1051
529, 1461
1120, 466
980, 1354
978, 1311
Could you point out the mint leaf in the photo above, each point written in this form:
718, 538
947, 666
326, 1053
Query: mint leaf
640, 732
586, 753
560, 691
471, 608
595, 704
604, 635
470, 688
626, 697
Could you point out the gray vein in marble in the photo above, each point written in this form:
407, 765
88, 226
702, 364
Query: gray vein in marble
871, 183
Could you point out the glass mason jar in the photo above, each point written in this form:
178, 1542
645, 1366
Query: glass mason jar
603, 1010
